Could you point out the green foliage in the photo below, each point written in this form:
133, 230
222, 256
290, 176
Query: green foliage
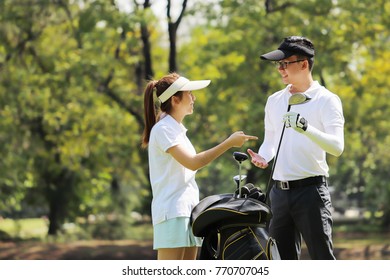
351, 41
67, 142
367, 156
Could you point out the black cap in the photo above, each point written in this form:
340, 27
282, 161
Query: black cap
294, 45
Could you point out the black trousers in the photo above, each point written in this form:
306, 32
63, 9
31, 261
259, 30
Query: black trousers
302, 212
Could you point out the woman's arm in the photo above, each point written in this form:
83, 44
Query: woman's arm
197, 161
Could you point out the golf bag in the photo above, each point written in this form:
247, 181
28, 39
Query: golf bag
234, 226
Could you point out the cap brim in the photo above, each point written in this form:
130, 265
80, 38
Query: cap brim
182, 84
276, 55
195, 85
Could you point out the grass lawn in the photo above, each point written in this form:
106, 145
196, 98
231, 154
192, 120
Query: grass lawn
24, 228
27, 229
27, 239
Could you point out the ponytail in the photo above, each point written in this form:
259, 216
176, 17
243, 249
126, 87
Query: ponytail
151, 111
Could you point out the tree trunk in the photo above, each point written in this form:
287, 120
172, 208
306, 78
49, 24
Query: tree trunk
172, 31
54, 221
149, 74
172, 50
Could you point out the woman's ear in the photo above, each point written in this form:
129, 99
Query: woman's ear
175, 100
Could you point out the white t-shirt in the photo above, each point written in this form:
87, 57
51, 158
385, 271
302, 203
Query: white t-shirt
299, 157
175, 192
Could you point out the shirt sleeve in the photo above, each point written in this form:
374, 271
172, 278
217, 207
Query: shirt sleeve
333, 114
331, 140
267, 148
167, 137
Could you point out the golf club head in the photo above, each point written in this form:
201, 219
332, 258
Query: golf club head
298, 98
246, 189
240, 157
237, 178
238, 181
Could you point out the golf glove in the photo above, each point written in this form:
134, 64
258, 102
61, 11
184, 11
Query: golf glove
294, 120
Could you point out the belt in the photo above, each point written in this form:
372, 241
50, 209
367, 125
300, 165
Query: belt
287, 185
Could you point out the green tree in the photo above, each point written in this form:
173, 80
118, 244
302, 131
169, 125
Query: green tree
69, 138
347, 62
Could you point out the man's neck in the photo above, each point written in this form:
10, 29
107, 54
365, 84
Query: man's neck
302, 86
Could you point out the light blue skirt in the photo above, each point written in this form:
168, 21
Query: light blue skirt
174, 233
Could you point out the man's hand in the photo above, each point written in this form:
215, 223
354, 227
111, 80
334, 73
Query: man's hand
257, 160
294, 120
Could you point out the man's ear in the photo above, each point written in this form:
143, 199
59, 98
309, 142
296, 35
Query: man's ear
305, 64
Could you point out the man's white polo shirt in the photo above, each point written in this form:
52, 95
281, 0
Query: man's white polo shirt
174, 189
299, 157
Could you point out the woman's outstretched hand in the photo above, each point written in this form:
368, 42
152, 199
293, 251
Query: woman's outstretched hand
238, 138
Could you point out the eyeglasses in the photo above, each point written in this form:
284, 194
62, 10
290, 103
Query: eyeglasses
283, 64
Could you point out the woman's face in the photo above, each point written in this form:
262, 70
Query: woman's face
187, 102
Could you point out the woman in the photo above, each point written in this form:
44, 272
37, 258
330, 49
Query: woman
173, 163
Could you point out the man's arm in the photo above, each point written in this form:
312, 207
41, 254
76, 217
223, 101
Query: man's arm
331, 141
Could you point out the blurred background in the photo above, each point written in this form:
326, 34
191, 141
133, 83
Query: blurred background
72, 75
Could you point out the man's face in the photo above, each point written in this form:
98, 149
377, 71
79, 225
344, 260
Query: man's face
290, 69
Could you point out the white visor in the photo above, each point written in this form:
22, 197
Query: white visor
182, 84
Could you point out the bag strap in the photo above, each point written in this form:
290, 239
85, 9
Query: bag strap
218, 251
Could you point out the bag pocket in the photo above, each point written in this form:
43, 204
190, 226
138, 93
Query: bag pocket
244, 245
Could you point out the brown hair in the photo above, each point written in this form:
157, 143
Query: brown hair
152, 109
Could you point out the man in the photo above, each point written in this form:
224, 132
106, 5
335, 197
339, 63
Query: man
300, 199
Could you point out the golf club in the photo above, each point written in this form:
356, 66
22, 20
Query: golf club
295, 99
239, 178
239, 157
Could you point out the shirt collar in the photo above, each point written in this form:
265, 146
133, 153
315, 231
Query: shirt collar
173, 123
310, 91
